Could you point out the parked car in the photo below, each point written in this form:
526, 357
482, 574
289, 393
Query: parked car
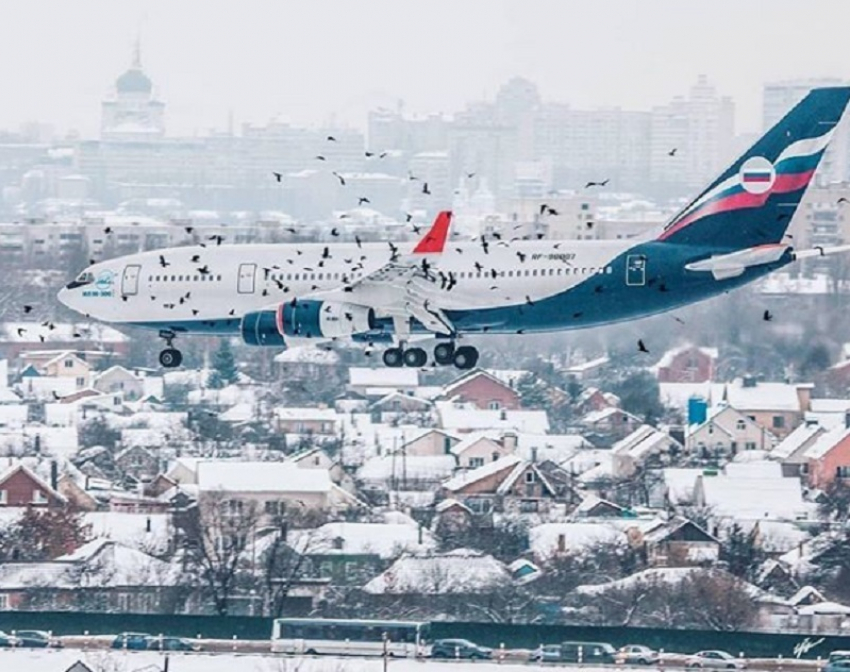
837, 665
172, 644
7, 640
588, 652
134, 641
36, 639
459, 648
637, 654
546, 653
715, 659
838, 655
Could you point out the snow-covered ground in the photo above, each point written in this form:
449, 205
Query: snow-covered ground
143, 661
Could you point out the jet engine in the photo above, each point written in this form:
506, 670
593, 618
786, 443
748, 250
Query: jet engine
260, 328
323, 319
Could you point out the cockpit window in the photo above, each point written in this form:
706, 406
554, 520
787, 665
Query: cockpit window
84, 278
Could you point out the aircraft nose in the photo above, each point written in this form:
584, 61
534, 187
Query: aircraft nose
65, 297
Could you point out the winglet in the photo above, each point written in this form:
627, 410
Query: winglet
435, 239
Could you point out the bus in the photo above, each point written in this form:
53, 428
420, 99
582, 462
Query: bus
349, 637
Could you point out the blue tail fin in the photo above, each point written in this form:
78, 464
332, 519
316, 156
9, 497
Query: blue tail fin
753, 201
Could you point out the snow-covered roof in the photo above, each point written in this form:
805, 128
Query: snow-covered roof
642, 442
383, 377
677, 395
554, 447
777, 536
131, 529
472, 439
757, 469
464, 478
826, 442
467, 417
824, 608
307, 355
681, 484
669, 576
62, 332
668, 357
755, 498
763, 396
231, 476
306, 414
226, 396
410, 467
387, 540
456, 572
589, 365
796, 439
545, 539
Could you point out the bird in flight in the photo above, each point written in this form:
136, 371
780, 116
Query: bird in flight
469, 176
163, 262
843, 200
189, 229
339, 177
107, 230
217, 238
642, 347
425, 189
277, 176
767, 316
363, 200
27, 310
673, 151
597, 184
331, 138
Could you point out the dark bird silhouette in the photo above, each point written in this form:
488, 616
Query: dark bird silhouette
163, 262
642, 347
369, 155
27, 310
204, 270
232, 311
767, 316
819, 248
596, 184
56, 395
326, 253
188, 229
416, 229
478, 267
331, 138
842, 200
599, 289
277, 176
425, 189
521, 256
357, 240
21, 331
528, 300
673, 151
678, 319
543, 208
407, 217
195, 258
194, 311
362, 200
588, 225
339, 177
551, 211
469, 176
485, 245
217, 238
320, 157
108, 230
783, 215
41, 338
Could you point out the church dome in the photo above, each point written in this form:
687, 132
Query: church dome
133, 81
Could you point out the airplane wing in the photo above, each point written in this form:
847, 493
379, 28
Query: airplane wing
407, 286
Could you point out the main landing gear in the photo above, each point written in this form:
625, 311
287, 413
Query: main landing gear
171, 357
445, 354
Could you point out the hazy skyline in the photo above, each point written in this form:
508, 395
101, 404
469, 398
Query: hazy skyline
308, 62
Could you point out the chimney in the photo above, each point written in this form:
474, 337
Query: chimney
148, 524
748, 381
534, 454
54, 475
847, 419
509, 441
562, 543
37, 444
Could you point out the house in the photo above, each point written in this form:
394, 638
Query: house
828, 458
100, 575
587, 370
482, 390
353, 553
593, 399
791, 451
596, 507
550, 540
645, 447
609, 424
138, 462
397, 471
726, 431
305, 363
430, 442
686, 364
118, 380
309, 421
680, 542
35, 336
21, 487
395, 404
464, 418
507, 484
478, 448
779, 407
460, 572
269, 486
65, 364
379, 382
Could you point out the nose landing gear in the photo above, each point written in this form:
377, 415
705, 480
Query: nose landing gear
171, 357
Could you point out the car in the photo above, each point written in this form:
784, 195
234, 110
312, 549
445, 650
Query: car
172, 644
588, 652
7, 640
837, 665
459, 648
715, 659
637, 654
36, 639
132, 641
838, 655
546, 653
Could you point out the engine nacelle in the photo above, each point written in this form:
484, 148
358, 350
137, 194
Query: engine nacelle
260, 328
323, 319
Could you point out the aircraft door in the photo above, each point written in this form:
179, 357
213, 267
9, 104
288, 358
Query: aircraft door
636, 270
130, 280
245, 283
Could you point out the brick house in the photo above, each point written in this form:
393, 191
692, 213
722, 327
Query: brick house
686, 364
593, 399
484, 390
19, 486
430, 443
828, 458
679, 543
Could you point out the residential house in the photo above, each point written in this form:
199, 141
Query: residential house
484, 391
430, 442
779, 407
680, 542
645, 447
593, 399
306, 421
608, 425
464, 418
507, 484
379, 382
21, 487
828, 458
477, 448
686, 364
587, 370
67, 364
726, 431
138, 462
396, 404
93, 337
791, 451
552, 540
118, 380
270, 486
398, 471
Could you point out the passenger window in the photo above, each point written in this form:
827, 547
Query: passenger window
196, 278
296, 276
219, 277
173, 278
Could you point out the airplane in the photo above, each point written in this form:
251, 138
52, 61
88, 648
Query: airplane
280, 295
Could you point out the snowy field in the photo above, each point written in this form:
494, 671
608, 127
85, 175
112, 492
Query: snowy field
143, 661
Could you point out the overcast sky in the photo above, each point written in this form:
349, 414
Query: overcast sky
306, 61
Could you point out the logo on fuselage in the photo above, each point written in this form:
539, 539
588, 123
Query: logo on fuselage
757, 175
102, 285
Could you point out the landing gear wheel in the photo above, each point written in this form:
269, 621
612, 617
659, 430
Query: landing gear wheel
393, 357
415, 357
465, 357
171, 358
444, 353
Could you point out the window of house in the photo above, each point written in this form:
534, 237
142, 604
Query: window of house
4, 602
778, 421
530, 477
38, 497
476, 462
81, 382
69, 363
528, 505
750, 445
494, 405
842, 472
741, 425
3, 497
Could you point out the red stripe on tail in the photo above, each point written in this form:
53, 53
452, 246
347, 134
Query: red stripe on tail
435, 240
